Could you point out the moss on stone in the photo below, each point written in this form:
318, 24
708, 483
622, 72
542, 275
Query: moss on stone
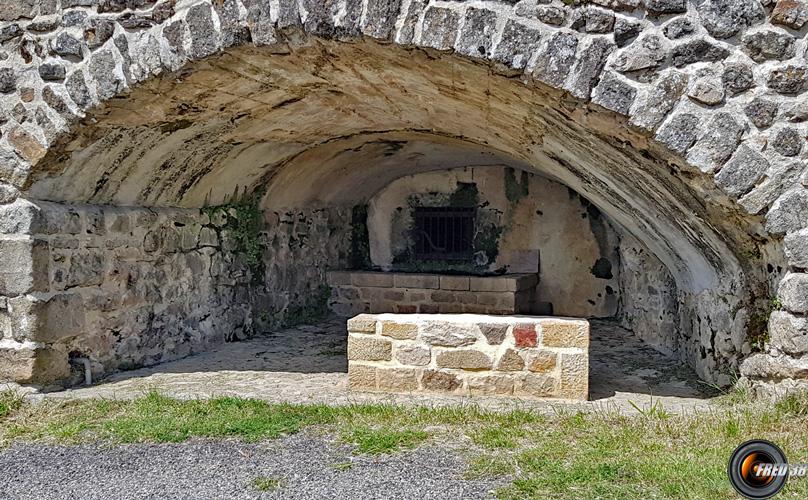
243, 224
516, 190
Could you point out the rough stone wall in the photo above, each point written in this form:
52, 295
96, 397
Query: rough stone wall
300, 247
720, 83
535, 225
470, 355
124, 287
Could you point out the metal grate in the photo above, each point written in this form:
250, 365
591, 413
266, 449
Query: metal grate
444, 233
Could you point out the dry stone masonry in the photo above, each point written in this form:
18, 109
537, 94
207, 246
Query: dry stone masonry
469, 354
684, 121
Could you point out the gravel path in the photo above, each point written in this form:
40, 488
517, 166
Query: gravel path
309, 466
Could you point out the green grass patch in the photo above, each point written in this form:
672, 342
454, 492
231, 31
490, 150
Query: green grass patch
262, 483
655, 454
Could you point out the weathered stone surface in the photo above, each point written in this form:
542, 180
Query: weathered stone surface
398, 379
11, 10
466, 359
28, 146
555, 59
787, 141
793, 292
666, 6
413, 355
435, 380
626, 30
380, 19
47, 320
788, 79
789, 333
779, 178
103, 70
510, 361
364, 323
614, 93
586, 71
761, 112
706, 87
67, 45
679, 27
542, 361
741, 172
490, 385
647, 52
790, 13
524, 335
698, 50
769, 44
24, 266
796, 245
440, 28
234, 32
407, 31
717, 143
204, 38
518, 44
8, 80
737, 78
361, 377
52, 72
679, 133
725, 18
592, 20
574, 376
399, 331
660, 100
32, 365
564, 334
763, 366
789, 213
553, 15
448, 334
476, 38
369, 349
494, 333
536, 385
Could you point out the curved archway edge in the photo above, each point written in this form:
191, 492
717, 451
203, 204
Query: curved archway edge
743, 175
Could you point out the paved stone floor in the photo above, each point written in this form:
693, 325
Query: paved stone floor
307, 364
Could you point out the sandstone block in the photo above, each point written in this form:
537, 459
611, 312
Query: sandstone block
373, 280
524, 335
542, 361
574, 382
399, 331
454, 282
398, 379
413, 355
466, 359
434, 380
490, 385
361, 377
47, 320
363, 323
449, 334
535, 385
402, 280
369, 349
559, 333
510, 361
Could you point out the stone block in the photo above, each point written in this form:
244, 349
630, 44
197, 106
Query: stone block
439, 381
372, 280
560, 333
524, 335
413, 355
797, 248
336, 278
26, 364
440, 28
574, 382
510, 361
369, 349
491, 385
454, 282
363, 323
494, 333
443, 296
398, 379
542, 361
24, 266
449, 334
465, 359
404, 280
399, 331
47, 320
361, 377
535, 385
793, 293
789, 333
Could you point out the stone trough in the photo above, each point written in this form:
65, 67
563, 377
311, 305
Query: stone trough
470, 355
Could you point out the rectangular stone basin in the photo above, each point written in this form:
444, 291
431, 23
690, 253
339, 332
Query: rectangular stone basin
469, 354
354, 292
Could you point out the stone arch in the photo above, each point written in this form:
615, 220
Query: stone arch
681, 123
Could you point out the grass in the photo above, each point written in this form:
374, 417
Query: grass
263, 483
603, 454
